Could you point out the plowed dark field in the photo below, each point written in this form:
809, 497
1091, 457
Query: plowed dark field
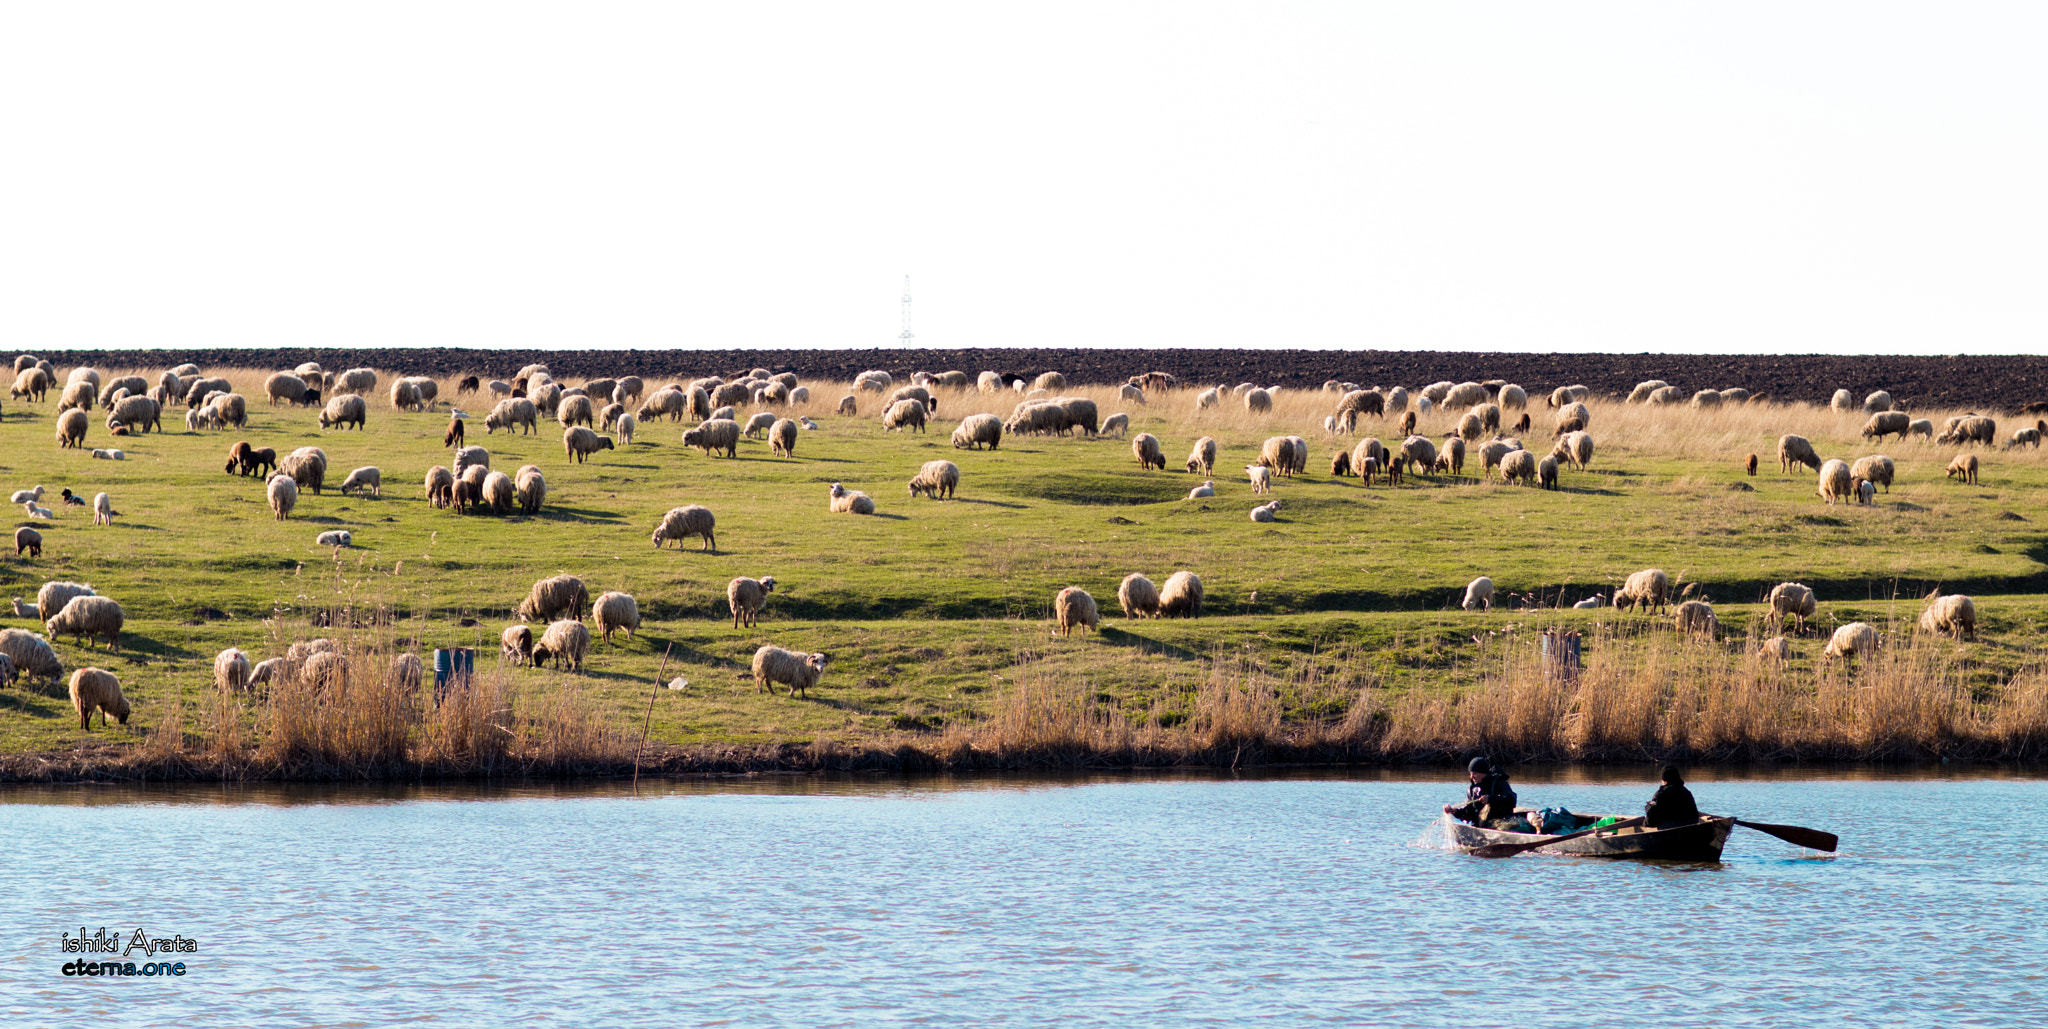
2000, 383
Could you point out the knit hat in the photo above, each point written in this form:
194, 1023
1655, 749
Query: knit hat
1670, 775
1479, 765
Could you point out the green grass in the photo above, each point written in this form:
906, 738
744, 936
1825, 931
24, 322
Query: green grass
932, 611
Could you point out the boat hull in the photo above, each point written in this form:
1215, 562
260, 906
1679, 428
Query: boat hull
1700, 841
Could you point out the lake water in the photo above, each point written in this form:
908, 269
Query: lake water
1121, 901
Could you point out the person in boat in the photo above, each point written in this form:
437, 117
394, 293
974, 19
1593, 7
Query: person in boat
1489, 799
1672, 805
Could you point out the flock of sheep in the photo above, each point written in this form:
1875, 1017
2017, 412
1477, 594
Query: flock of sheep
1489, 419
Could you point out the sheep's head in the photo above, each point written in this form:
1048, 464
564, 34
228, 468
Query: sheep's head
767, 584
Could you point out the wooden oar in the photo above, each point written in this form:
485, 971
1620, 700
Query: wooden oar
1812, 839
1501, 850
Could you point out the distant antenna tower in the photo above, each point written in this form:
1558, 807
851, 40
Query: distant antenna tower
903, 338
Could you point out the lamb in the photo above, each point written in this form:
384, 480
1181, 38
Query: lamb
581, 441
1206, 489
39, 512
88, 617
1964, 468
552, 598
1649, 589
1920, 427
1202, 457
575, 410
515, 644
368, 478
1750, 465
1876, 468
614, 611
231, 670
284, 495
625, 426
30, 654
849, 406
1591, 603
681, 523
793, 668
1851, 641
1265, 512
565, 642
846, 501
27, 496
532, 489
335, 538
1887, 423
103, 510
1696, 617
1835, 482
440, 486
1145, 447
1120, 423
96, 689
1794, 599
1796, 450
518, 412
1478, 594
1953, 614
1777, 649
1181, 597
1340, 464
1074, 607
71, 427
2028, 437
757, 426
746, 597
1518, 466
306, 466
1261, 476
345, 410
937, 480
28, 540
713, 435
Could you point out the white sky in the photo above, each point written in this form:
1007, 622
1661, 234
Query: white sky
1741, 178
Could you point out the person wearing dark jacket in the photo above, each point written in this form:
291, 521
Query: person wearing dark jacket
1672, 805
1489, 799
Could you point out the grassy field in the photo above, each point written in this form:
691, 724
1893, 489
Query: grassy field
936, 614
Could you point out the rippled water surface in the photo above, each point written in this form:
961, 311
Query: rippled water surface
1124, 902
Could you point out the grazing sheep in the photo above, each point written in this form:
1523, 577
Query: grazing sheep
552, 598
681, 523
1452, 458
515, 644
1851, 641
1139, 598
1964, 468
1340, 464
1696, 617
1261, 476
978, 430
1478, 594
1518, 466
849, 406
1265, 512
614, 611
364, 381
1513, 397
499, 492
989, 382
368, 478
231, 670
284, 495
1418, 450
793, 668
1879, 401
937, 480
1876, 468
1953, 614
30, 383
103, 510
345, 410
440, 486
1791, 599
1181, 597
71, 427
1649, 589
1887, 423
532, 489
1577, 448
79, 396
96, 689
406, 671
714, 435
1206, 489
1120, 423
28, 540
1051, 381
335, 538
1074, 607
782, 437
1464, 394
1835, 482
917, 393
1666, 396
88, 617
1796, 450
1208, 398
471, 457
1258, 401
30, 654
1145, 447
519, 413
1202, 457
575, 410
757, 426
1278, 453
1706, 399
745, 597
289, 388
141, 414
1777, 650
306, 466
1920, 427
581, 441
1751, 465
1970, 429
1131, 393
564, 642
846, 501
905, 414
2028, 437
1546, 472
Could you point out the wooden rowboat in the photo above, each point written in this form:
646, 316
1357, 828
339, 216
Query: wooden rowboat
1698, 841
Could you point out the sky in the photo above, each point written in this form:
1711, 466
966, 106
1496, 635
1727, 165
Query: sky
1591, 177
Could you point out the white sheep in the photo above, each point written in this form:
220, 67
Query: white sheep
793, 668
1953, 614
1139, 598
365, 478
1206, 489
103, 510
231, 670
1262, 478
1854, 640
614, 611
846, 501
746, 597
1074, 607
1265, 512
335, 538
1478, 594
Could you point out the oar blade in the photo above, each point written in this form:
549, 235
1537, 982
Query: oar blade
1812, 839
